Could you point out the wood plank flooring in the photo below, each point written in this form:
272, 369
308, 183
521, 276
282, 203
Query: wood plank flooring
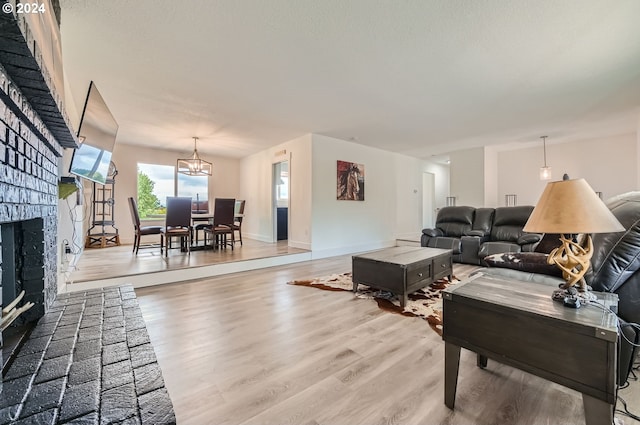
117, 261
247, 348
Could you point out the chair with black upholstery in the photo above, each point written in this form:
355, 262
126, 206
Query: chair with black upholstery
200, 217
238, 217
141, 230
223, 213
177, 224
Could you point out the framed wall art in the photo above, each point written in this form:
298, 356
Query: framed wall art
350, 181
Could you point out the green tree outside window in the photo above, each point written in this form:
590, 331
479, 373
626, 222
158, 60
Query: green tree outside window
148, 202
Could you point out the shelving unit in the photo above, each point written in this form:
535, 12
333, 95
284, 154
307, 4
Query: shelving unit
103, 232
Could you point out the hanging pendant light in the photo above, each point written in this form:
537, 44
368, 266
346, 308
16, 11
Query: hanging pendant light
194, 166
545, 171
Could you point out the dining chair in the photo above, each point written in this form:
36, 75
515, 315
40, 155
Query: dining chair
141, 230
238, 217
199, 223
177, 223
223, 212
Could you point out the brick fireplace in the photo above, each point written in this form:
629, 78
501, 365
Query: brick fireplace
28, 204
33, 132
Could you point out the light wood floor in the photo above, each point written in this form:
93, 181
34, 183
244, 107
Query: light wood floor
247, 348
117, 261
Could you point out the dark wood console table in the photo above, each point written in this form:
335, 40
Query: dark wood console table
517, 323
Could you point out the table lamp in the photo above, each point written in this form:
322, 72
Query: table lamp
572, 208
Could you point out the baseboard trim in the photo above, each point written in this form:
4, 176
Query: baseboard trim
352, 249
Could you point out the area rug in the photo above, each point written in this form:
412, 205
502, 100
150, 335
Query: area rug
426, 303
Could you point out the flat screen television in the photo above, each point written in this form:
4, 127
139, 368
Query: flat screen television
97, 134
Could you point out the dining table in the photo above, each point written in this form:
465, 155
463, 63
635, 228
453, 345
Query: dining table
206, 218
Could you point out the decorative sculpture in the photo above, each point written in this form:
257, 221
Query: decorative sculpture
574, 261
11, 313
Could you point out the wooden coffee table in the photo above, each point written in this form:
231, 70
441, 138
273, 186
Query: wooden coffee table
401, 269
517, 323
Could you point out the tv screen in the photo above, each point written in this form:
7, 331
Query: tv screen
97, 133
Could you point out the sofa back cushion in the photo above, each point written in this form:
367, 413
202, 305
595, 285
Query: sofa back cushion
455, 221
508, 223
483, 220
616, 256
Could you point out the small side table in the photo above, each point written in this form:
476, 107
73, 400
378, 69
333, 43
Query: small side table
517, 324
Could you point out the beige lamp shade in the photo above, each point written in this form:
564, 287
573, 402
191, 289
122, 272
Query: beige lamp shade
571, 206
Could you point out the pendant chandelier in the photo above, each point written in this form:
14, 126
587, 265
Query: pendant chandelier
545, 171
194, 166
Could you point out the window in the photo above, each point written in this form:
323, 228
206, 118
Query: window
283, 186
197, 187
281, 171
155, 183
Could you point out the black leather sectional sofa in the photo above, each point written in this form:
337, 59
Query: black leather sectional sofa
473, 233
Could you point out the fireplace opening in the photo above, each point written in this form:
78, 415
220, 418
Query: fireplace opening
22, 270
12, 339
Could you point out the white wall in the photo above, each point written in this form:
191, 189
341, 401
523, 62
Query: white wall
491, 177
70, 225
350, 226
467, 177
317, 220
610, 166
408, 196
409, 192
256, 177
638, 153
224, 182
441, 174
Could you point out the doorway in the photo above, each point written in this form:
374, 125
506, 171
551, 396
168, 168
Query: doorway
428, 200
281, 200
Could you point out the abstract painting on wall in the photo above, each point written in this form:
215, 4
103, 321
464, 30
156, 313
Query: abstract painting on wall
350, 181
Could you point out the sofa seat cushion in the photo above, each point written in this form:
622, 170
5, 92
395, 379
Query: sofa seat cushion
490, 248
445, 243
532, 262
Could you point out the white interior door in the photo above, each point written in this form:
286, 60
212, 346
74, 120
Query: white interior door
428, 200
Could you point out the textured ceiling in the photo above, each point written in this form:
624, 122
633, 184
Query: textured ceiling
413, 76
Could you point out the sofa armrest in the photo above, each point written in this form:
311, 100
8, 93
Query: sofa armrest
530, 262
470, 245
432, 233
552, 281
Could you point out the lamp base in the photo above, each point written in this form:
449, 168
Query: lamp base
574, 259
573, 298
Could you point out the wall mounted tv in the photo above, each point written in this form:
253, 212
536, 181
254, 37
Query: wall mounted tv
97, 134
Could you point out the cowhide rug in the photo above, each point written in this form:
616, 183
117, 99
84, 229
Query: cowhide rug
426, 303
